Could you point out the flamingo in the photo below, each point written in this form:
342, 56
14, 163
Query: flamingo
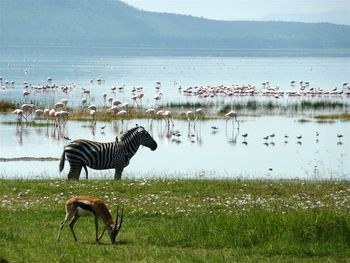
116, 102
52, 114
26, 93
124, 106
110, 100
199, 113
86, 93
65, 102
189, 115
122, 114
168, 117
158, 85
27, 109
113, 109
46, 113
158, 97
134, 98
38, 113
104, 95
92, 107
83, 101
64, 116
140, 96
233, 115
58, 118
121, 88
19, 114
93, 115
58, 105
151, 112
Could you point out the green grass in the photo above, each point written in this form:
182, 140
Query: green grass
181, 221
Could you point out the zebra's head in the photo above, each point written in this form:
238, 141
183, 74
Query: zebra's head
146, 139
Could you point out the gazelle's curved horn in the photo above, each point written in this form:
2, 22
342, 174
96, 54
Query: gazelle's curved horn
118, 226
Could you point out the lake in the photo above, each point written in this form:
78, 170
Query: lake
199, 153
133, 71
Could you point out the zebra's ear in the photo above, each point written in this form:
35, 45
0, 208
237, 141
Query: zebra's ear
137, 125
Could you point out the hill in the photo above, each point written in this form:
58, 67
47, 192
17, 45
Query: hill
112, 23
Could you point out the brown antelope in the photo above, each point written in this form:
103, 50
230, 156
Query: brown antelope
86, 205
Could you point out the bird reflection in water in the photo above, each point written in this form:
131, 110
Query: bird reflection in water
19, 133
232, 138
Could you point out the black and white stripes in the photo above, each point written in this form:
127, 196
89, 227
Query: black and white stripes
110, 155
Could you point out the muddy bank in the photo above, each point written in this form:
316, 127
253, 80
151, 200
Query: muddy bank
29, 159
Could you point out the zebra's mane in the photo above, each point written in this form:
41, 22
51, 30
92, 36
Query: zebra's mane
130, 132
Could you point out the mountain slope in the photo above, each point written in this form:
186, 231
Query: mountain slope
112, 23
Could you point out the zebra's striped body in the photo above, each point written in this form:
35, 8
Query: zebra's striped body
111, 155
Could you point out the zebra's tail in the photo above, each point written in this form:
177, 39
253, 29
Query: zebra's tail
63, 158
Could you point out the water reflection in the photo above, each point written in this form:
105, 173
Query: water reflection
231, 137
205, 144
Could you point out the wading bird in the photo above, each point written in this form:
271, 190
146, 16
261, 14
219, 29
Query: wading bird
122, 114
199, 113
232, 115
151, 112
80, 206
189, 115
93, 115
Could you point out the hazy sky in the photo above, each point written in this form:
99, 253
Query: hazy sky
243, 10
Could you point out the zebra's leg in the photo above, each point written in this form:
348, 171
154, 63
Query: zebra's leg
86, 172
75, 169
118, 174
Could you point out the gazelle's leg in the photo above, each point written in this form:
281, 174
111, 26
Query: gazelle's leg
68, 217
71, 225
104, 229
60, 230
96, 227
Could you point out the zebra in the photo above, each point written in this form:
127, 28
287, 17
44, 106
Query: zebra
111, 155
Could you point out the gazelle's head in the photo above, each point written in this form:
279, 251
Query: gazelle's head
114, 230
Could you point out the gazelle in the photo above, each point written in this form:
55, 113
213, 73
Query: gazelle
86, 205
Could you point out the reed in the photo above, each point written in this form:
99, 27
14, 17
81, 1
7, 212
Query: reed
277, 107
330, 117
6, 106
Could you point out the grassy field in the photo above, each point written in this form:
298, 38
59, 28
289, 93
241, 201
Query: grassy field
180, 221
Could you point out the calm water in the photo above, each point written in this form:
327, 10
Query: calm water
132, 72
198, 153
